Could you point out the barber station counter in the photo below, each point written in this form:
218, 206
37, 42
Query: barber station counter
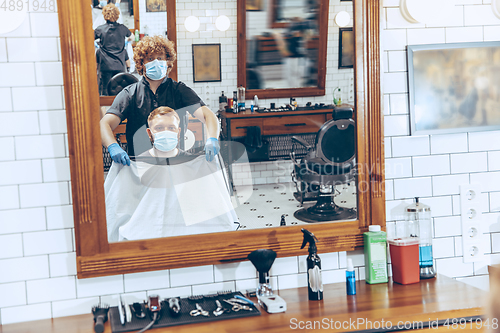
427, 302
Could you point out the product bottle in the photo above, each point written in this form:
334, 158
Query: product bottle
375, 255
241, 98
136, 35
350, 278
314, 280
337, 96
235, 102
419, 224
255, 102
222, 102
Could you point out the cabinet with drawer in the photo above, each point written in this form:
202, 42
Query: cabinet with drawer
276, 127
239, 126
293, 124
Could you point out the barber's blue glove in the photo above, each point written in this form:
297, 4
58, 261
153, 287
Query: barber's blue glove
118, 154
211, 148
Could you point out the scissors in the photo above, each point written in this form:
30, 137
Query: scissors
220, 309
198, 311
237, 306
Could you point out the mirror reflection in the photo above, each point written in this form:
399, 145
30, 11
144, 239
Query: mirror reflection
112, 42
284, 53
174, 167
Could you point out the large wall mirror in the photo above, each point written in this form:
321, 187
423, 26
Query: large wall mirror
97, 256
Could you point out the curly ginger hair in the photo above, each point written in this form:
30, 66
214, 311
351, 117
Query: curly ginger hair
110, 12
149, 45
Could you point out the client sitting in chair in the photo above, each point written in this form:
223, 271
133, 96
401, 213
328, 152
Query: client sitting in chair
166, 191
328, 163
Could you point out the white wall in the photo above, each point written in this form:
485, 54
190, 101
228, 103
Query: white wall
433, 166
37, 250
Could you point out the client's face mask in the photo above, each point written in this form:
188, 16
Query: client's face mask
156, 69
165, 140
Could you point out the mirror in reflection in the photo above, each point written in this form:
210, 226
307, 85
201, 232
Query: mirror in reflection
113, 39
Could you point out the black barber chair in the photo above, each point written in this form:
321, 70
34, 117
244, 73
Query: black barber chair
330, 162
120, 81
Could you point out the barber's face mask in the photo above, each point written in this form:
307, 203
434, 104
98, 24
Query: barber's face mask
156, 69
103, 3
165, 140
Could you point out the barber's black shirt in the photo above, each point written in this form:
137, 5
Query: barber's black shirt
112, 55
136, 101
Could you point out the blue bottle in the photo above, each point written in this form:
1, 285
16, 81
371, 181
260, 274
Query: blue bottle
350, 276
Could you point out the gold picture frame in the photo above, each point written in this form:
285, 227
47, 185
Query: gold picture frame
156, 6
254, 5
206, 63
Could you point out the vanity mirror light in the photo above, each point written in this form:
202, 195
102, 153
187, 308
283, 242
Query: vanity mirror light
97, 257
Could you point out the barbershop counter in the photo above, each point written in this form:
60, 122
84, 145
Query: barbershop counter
388, 307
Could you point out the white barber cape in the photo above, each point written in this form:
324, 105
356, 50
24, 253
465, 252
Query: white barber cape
147, 200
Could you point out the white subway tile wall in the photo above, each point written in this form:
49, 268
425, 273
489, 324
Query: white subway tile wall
38, 275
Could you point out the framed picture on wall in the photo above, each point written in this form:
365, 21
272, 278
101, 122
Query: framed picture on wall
206, 63
156, 6
346, 48
254, 5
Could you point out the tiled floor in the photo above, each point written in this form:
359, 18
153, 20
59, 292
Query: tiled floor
261, 206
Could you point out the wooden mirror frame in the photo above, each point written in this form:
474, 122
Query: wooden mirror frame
319, 90
171, 35
96, 257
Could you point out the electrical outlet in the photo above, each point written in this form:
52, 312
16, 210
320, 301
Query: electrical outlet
351, 90
470, 209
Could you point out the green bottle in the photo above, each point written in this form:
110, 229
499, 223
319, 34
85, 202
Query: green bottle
375, 255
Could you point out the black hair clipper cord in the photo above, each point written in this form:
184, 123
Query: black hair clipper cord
180, 311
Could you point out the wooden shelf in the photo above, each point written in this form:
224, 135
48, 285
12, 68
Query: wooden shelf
435, 299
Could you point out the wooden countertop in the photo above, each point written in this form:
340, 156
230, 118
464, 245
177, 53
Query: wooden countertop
247, 113
436, 299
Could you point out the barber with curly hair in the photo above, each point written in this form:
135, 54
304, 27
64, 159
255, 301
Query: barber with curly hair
154, 58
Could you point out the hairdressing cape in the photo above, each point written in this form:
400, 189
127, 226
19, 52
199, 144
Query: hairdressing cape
146, 200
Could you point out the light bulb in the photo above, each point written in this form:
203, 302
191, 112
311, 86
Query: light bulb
342, 18
192, 23
222, 23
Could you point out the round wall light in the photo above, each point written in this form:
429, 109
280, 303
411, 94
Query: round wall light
192, 23
342, 18
426, 11
10, 20
495, 6
222, 23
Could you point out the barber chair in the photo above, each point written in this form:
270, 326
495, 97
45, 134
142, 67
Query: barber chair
327, 163
120, 81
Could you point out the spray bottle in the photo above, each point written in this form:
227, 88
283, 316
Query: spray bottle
314, 280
